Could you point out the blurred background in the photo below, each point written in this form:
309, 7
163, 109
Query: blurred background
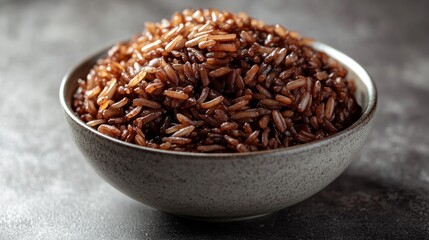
48, 191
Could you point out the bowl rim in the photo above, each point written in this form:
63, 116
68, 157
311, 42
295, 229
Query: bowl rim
339, 56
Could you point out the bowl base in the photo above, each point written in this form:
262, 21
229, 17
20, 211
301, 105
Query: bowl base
222, 219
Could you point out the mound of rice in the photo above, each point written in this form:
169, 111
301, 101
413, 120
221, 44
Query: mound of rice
214, 81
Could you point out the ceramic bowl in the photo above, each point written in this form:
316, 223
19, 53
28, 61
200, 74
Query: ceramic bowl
222, 186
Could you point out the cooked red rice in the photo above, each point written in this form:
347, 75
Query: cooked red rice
214, 81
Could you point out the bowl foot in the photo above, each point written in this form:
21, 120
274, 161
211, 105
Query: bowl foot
222, 219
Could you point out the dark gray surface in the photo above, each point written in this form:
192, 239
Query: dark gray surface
48, 191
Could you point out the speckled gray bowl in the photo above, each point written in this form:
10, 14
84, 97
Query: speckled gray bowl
219, 187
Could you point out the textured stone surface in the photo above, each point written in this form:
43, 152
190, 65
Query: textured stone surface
48, 191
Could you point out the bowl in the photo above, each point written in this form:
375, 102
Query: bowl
222, 186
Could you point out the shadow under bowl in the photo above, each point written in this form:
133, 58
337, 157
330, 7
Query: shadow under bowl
222, 186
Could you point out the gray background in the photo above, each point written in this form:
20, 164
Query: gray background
48, 191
